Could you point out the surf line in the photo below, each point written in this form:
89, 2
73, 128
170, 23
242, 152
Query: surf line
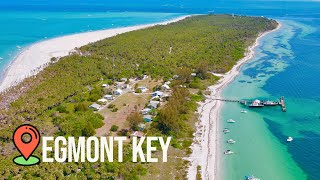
94, 149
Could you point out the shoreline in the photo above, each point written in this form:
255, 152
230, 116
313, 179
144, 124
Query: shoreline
32, 59
206, 142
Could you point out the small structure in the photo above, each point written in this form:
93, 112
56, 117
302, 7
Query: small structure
138, 134
145, 76
165, 87
193, 74
147, 118
145, 111
153, 104
157, 93
142, 126
124, 79
122, 85
108, 97
95, 106
103, 100
154, 98
143, 89
118, 92
105, 85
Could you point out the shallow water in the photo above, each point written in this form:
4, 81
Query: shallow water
286, 64
22, 28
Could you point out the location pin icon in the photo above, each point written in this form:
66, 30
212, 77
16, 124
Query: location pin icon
26, 148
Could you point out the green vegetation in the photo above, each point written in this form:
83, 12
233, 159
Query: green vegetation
134, 119
57, 99
114, 128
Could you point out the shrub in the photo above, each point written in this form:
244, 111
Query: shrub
81, 107
114, 110
123, 132
110, 106
114, 128
62, 109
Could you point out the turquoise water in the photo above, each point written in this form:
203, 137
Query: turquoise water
286, 64
22, 28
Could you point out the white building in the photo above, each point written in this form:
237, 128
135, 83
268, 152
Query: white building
108, 97
105, 85
95, 106
103, 100
143, 89
118, 92
165, 87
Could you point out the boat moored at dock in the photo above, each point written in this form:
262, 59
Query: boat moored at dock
256, 104
270, 103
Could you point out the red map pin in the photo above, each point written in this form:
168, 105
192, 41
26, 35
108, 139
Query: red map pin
26, 148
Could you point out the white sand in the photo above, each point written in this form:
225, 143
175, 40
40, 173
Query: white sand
32, 59
205, 145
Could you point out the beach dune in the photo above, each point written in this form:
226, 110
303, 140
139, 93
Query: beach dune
32, 59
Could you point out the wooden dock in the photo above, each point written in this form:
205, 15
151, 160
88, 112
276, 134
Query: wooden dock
283, 104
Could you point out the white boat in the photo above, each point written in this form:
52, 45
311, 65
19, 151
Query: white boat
1, 58
226, 130
289, 139
231, 141
231, 121
244, 111
251, 177
228, 152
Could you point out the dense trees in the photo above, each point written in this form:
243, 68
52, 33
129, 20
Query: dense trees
171, 119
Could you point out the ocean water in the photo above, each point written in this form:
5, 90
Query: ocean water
21, 28
287, 63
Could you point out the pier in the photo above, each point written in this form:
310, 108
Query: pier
283, 104
257, 103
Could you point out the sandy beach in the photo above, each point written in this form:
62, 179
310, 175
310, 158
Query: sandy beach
205, 145
32, 59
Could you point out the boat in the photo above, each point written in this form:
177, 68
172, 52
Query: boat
228, 152
251, 177
226, 130
231, 121
244, 111
256, 104
289, 139
231, 141
270, 103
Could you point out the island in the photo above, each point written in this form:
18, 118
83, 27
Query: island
147, 82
